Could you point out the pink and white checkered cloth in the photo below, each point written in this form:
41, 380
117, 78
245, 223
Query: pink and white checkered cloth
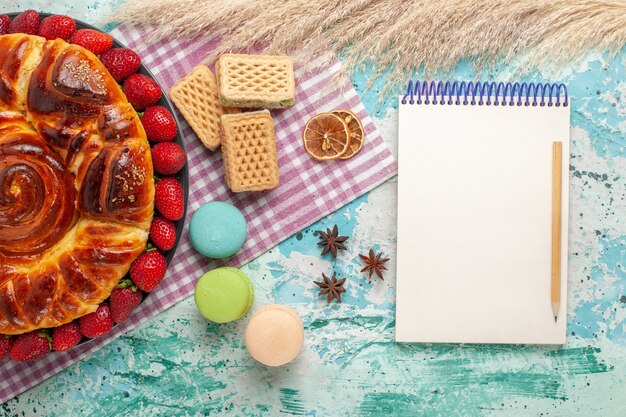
308, 190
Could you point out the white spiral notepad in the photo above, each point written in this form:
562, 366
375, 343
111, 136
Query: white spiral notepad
474, 212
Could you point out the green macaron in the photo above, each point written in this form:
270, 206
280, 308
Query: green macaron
224, 294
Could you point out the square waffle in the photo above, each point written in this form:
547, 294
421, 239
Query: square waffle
256, 81
196, 97
249, 151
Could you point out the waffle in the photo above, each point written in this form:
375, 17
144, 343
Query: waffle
255, 81
249, 151
196, 97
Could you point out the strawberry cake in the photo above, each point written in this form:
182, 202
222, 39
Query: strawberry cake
77, 192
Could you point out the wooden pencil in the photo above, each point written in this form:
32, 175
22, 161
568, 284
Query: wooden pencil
557, 158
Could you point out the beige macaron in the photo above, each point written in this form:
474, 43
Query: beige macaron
274, 335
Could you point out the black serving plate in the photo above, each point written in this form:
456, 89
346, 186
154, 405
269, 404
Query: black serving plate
183, 175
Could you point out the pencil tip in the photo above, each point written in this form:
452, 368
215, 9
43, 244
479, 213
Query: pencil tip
555, 319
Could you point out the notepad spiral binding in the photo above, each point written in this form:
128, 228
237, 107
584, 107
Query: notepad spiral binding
485, 93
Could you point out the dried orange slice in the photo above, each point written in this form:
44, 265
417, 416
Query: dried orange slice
355, 130
326, 137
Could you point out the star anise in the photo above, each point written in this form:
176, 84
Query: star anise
374, 264
331, 287
332, 241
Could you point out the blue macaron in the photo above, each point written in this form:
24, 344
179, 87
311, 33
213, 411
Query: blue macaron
217, 230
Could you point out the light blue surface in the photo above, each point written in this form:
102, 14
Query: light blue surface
178, 365
217, 230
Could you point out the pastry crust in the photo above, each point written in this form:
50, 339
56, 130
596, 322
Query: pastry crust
76, 185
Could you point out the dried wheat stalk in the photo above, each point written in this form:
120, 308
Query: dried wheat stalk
398, 36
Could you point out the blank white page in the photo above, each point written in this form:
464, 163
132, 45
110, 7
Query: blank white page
474, 223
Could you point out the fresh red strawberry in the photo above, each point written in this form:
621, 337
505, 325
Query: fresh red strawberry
163, 233
94, 41
66, 336
30, 346
148, 270
121, 62
57, 26
25, 22
124, 299
141, 91
159, 124
5, 345
169, 198
168, 158
5, 21
97, 323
